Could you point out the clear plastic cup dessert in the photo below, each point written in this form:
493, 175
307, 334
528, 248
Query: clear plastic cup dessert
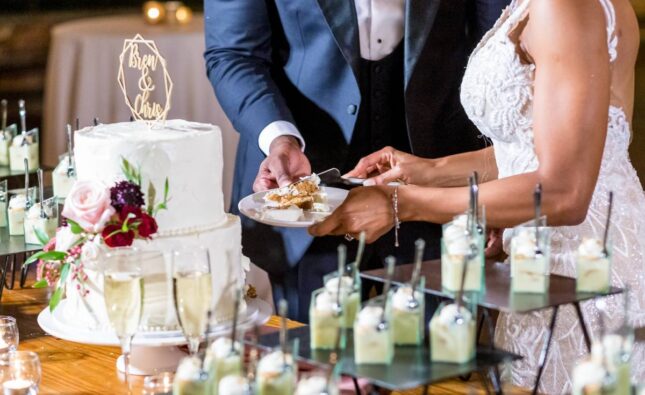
325, 320
190, 379
452, 333
221, 360
408, 314
234, 384
316, 383
4, 198
529, 269
18, 206
39, 228
593, 266
6, 137
616, 351
350, 291
591, 378
62, 178
457, 243
373, 333
276, 374
24, 147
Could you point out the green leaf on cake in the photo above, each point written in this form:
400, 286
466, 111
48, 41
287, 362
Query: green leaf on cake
130, 172
60, 289
152, 195
46, 256
166, 189
40, 284
74, 227
42, 237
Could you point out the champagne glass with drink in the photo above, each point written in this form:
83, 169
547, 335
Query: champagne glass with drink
193, 293
123, 270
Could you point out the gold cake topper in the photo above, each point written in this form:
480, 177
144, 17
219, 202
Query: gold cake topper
144, 108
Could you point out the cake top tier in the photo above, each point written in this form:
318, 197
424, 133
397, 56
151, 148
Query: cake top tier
188, 154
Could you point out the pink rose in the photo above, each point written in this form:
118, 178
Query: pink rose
89, 205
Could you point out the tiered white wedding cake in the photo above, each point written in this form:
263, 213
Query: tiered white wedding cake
189, 155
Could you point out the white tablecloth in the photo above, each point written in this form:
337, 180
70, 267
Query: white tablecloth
82, 79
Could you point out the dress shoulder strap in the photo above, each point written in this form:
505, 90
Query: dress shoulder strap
612, 39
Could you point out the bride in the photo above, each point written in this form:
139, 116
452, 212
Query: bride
552, 86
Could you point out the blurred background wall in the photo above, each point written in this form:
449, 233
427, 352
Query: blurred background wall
24, 44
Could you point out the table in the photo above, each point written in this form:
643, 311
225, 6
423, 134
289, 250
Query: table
498, 296
81, 79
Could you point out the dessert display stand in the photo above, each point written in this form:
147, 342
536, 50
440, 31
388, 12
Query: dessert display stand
152, 351
411, 367
497, 296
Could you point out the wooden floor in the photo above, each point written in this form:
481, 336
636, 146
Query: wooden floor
72, 368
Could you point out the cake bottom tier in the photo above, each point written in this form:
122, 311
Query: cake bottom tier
228, 268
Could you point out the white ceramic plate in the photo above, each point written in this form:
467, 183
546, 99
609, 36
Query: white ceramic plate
253, 205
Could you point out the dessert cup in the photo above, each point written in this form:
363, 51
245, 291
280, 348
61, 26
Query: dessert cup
62, 179
18, 206
38, 227
373, 342
593, 267
315, 383
591, 378
18, 151
452, 335
5, 142
408, 323
325, 320
616, 350
457, 242
276, 374
220, 361
4, 198
190, 379
234, 384
530, 270
350, 292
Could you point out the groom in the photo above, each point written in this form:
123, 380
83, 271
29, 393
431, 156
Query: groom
314, 84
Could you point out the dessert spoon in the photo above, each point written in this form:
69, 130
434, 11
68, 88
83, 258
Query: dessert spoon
41, 193
238, 297
605, 238
537, 203
3, 104
23, 121
390, 261
342, 257
419, 246
28, 201
70, 152
282, 311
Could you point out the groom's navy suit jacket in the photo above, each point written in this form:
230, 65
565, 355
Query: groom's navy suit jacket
298, 61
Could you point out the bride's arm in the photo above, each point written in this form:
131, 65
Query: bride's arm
388, 164
567, 41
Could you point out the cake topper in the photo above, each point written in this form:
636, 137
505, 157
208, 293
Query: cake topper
143, 107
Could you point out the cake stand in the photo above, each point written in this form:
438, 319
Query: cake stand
152, 352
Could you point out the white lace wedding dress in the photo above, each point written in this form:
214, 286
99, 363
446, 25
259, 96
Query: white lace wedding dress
497, 93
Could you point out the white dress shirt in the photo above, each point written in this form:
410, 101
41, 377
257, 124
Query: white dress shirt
380, 30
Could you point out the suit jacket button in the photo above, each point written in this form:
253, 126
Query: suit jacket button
351, 109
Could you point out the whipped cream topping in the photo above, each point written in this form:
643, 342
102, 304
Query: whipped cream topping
221, 348
17, 141
62, 166
610, 348
273, 362
588, 372
325, 302
459, 246
314, 385
18, 202
456, 229
525, 243
449, 313
34, 211
402, 296
233, 385
591, 248
190, 368
370, 316
346, 284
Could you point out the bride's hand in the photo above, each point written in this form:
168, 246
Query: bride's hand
388, 165
366, 209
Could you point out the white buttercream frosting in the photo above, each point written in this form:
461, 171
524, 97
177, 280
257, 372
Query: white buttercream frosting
314, 385
591, 248
189, 154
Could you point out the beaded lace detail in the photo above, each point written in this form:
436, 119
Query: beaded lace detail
497, 94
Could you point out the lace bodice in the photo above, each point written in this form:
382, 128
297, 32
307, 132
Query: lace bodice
497, 95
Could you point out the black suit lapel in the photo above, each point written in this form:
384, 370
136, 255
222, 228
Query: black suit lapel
341, 18
419, 18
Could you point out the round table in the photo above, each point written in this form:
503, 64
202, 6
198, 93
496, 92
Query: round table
82, 79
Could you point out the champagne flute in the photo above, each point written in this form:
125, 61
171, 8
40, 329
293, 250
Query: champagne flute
193, 293
123, 270
20, 373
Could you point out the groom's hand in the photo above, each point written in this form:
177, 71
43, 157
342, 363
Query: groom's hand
285, 164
